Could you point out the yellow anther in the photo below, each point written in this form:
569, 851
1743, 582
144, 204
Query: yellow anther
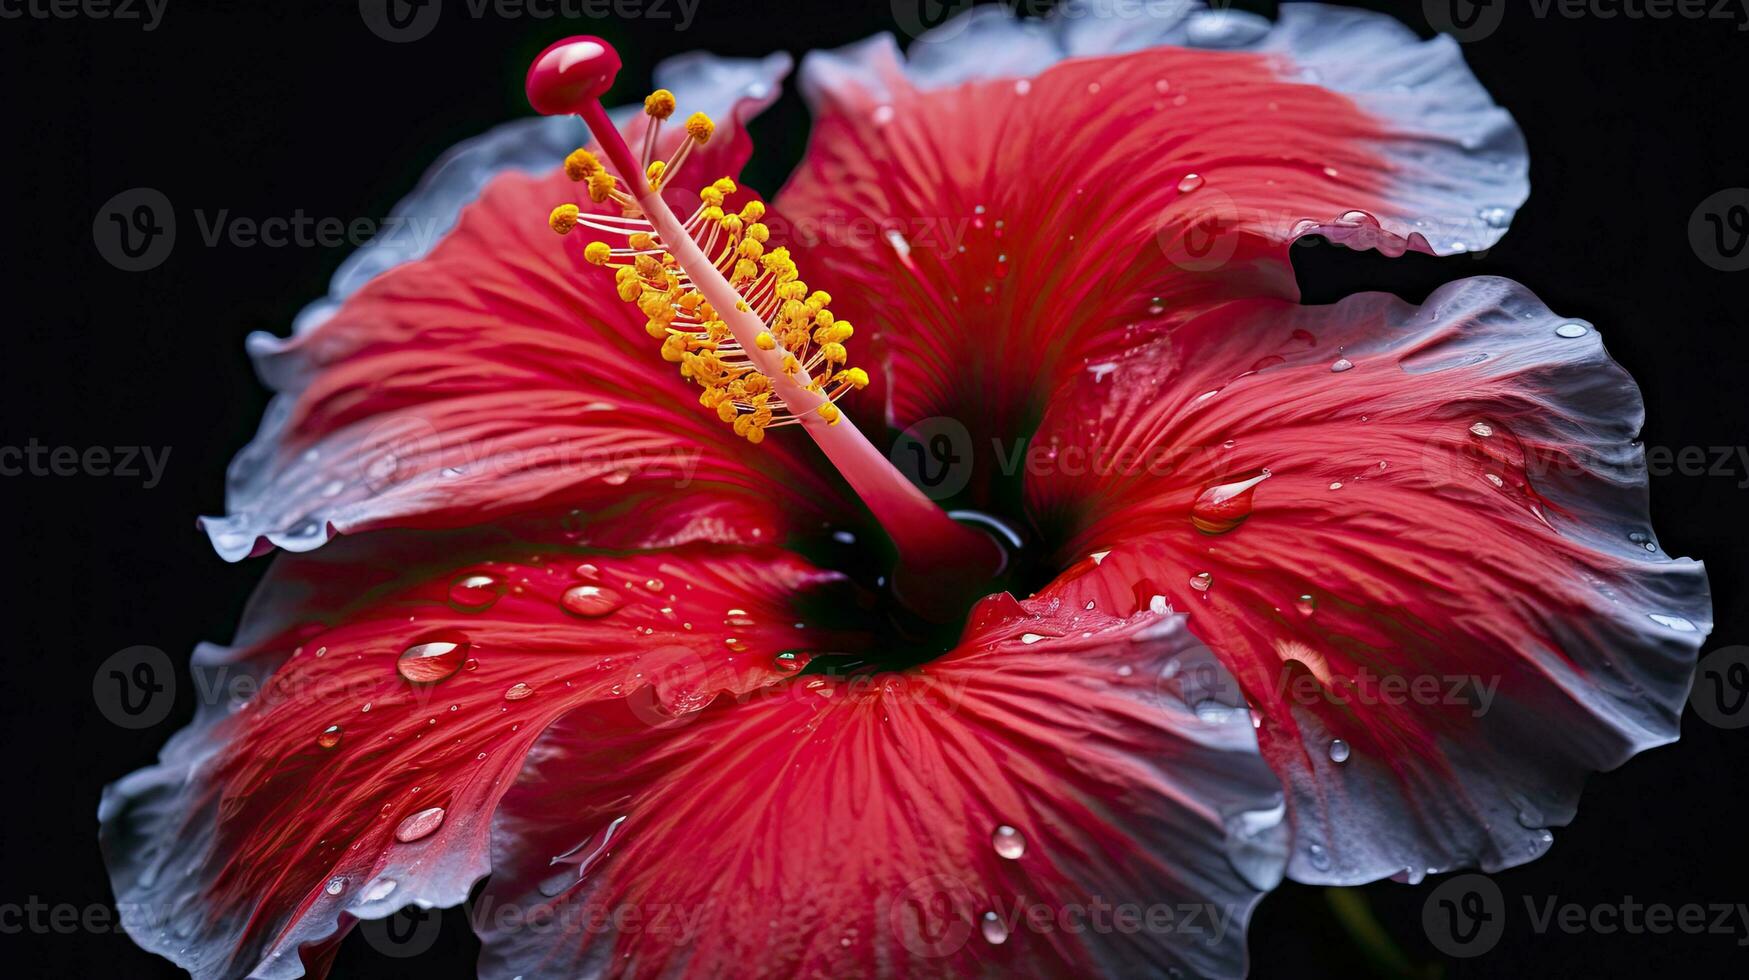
674, 348
700, 127
581, 164
600, 186
563, 218
807, 339
659, 104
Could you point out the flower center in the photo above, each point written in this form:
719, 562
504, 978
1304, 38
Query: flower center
765, 350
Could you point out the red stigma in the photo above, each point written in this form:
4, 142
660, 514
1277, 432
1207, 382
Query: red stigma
570, 74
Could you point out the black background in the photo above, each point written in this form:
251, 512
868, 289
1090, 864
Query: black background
267, 109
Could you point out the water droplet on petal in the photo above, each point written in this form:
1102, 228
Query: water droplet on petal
474, 592
1306, 605
336, 885
329, 737
378, 890
421, 824
791, 661
433, 657
1189, 182
1201, 581
1022, 87
517, 692
1030, 638
1008, 843
1338, 751
589, 601
1571, 330
1224, 506
1482, 429
1340, 365
994, 930
1676, 623
1320, 857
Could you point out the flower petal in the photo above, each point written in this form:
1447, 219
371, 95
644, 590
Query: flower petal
1015, 193
852, 826
1443, 594
362, 776
499, 374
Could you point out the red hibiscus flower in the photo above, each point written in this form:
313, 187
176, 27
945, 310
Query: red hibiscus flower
573, 609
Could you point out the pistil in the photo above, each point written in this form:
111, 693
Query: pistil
756, 360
